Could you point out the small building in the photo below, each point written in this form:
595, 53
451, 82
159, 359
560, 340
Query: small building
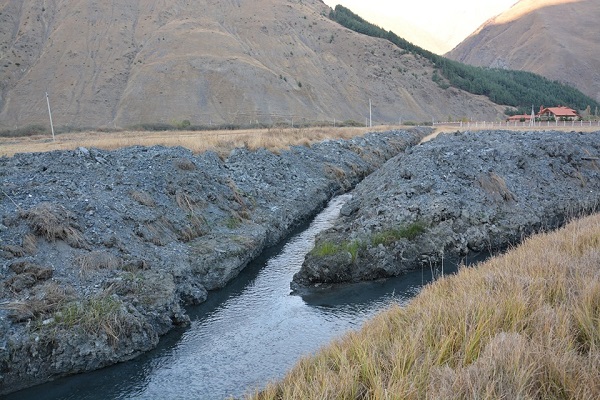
560, 113
520, 118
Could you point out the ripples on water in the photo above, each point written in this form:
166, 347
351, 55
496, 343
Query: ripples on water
245, 335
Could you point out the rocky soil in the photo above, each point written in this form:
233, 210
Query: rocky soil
461, 193
101, 250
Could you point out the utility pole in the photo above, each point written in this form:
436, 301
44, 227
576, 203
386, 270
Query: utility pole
532, 120
50, 114
370, 115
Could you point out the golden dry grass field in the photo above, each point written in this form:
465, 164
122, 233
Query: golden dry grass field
223, 141
523, 325
197, 141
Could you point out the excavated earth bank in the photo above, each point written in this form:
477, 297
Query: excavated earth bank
100, 250
461, 193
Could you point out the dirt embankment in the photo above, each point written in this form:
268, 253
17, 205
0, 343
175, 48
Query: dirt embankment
100, 250
461, 193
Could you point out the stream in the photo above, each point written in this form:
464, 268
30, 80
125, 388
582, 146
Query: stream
245, 335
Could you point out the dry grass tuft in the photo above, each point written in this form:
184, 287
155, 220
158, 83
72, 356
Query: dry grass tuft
53, 222
495, 185
338, 174
97, 260
13, 251
47, 298
102, 315
26, 276
184, 164
522, 325
144, 198
30, 244
197, 224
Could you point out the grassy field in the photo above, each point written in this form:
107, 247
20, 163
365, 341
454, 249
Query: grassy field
274, 139
198, 141
524, 325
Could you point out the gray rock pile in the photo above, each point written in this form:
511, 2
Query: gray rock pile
461, 193
100, 250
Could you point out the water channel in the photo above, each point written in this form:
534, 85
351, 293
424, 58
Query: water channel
245, 335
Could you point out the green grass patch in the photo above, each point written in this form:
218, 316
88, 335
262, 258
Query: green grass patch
354, 247
328, 248
325, 249
389, 236
97, 315
233, 223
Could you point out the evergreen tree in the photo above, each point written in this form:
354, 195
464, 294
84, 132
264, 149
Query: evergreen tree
518, 89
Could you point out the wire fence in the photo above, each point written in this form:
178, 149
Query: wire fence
509, 124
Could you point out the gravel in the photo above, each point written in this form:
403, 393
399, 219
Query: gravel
101, 250
460, 194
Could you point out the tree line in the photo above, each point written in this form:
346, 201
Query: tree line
519, 89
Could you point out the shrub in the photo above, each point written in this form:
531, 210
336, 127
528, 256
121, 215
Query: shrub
185, 124
150, 126
29, 130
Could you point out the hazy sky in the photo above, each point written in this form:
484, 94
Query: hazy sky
428, 23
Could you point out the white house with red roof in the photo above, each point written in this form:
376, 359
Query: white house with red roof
560, 113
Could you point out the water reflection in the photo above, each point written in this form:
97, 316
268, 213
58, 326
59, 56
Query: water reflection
245, 335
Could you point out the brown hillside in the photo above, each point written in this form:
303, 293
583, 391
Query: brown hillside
234, 61
558, 39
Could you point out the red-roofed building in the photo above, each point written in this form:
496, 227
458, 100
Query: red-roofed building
559, 113
519, 118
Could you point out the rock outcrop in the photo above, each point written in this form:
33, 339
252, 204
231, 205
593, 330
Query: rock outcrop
461, 193
100, 250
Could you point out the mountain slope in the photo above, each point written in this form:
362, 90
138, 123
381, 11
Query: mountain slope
554, 38
234, 61
509, 87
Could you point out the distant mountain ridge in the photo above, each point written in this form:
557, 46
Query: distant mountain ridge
559, 39
509, 87
108, 64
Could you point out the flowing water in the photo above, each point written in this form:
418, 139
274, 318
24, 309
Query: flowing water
245, 335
